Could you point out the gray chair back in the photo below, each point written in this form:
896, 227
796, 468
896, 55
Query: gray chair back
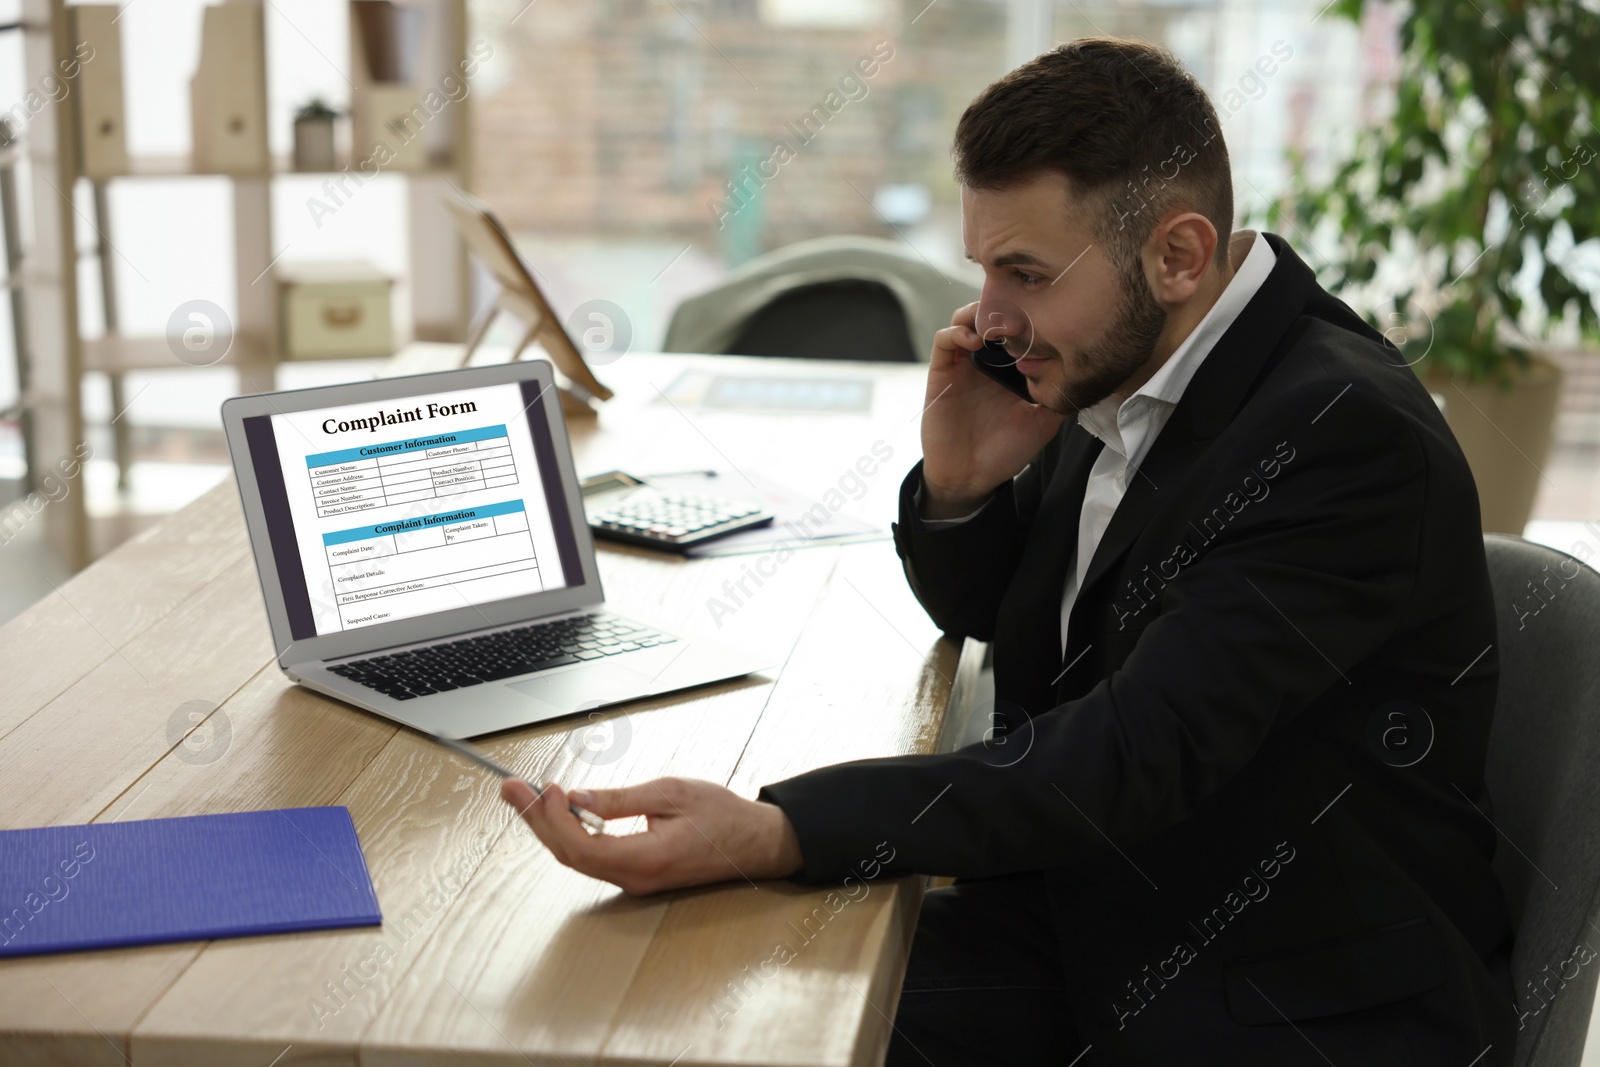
844, 319
790, 296
1543, 775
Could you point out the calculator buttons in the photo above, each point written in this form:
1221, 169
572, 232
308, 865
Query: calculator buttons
673, 519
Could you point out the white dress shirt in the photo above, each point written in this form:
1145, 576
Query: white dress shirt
1129, 429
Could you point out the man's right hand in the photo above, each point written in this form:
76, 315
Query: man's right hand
975, 433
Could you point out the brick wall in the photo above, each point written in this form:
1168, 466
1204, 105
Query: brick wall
621, 116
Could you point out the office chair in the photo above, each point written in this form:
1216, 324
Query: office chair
1543, 774
845, 297
846, 319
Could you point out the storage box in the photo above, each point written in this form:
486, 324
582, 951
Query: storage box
336, 311
103, 151
390, 128
228, 93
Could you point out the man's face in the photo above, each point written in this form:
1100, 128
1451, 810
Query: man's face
1077, 325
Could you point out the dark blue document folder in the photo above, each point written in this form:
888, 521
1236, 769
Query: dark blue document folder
67, 888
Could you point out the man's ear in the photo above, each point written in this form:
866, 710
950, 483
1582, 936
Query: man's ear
1177, 256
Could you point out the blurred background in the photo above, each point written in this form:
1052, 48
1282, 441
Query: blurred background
637, 151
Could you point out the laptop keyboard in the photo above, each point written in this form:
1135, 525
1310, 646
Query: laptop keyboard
502, 654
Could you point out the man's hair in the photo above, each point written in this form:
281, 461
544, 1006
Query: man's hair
1133, 132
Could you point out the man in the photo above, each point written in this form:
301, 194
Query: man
1231, 567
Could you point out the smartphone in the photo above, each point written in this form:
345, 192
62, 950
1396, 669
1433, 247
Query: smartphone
994, 361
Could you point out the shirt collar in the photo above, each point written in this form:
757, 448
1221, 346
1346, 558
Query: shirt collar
1169, 381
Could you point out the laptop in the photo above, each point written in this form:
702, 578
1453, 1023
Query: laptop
424, 555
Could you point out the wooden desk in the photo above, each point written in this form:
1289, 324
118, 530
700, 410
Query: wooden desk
146, 688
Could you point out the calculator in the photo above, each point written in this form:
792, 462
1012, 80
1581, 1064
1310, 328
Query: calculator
621, 507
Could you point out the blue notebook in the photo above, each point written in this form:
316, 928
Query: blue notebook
104, 885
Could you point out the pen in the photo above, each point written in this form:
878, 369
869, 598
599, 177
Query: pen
588, 818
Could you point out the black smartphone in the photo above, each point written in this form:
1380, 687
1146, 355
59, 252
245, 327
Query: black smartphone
994, 361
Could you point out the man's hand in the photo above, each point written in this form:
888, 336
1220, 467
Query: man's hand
698, 832
975, 433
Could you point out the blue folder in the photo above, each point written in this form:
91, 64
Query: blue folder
104, 885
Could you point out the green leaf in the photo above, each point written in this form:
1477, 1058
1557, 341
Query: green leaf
1494, 116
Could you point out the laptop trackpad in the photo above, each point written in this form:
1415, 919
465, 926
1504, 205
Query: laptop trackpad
589, 688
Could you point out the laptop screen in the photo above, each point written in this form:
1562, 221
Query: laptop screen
385, 511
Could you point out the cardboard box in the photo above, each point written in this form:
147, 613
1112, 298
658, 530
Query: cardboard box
228, 93
102, 146
336, 311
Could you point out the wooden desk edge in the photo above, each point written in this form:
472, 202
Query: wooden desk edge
889, 970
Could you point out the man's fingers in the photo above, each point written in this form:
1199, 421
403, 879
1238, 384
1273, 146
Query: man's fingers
566, 836
547, 816
648, 798
952, 344
518, 794
633, 861
521, 796
962, 337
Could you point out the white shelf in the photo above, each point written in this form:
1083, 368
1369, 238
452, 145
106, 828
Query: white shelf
436, 268
116, 354
183, 167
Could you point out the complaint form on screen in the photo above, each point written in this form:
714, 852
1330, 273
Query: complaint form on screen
401, 510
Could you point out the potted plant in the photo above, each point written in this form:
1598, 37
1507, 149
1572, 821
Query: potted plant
1460, 205
313, 137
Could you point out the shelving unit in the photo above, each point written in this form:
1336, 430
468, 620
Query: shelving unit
10, 157
437, 270
53, 398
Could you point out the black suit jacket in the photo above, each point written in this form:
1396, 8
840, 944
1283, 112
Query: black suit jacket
1253, 780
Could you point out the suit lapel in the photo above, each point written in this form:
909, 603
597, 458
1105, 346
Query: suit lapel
1212, 398
1032, 613
1060, 508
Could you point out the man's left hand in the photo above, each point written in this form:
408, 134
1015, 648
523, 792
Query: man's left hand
698, 832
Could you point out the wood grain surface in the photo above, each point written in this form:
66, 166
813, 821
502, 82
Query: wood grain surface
146, 687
